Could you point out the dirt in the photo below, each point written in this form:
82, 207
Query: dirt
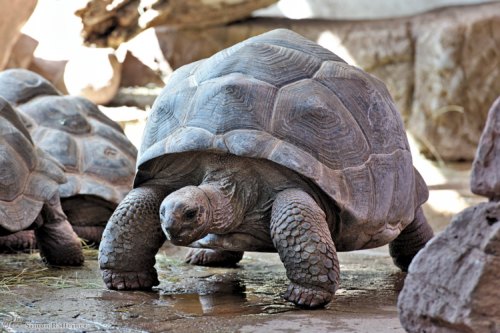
34, 298
199, 299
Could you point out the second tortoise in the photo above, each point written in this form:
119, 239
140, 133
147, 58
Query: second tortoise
98, 159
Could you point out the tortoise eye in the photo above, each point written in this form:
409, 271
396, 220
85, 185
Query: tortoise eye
190, 214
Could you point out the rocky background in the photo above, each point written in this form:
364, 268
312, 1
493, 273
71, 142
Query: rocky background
452, 284
442, 65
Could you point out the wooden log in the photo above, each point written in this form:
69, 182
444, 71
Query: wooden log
108, 23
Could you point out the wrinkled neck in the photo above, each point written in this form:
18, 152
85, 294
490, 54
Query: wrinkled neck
227, 204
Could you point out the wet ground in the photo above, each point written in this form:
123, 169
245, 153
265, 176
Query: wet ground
197, 299
34, 298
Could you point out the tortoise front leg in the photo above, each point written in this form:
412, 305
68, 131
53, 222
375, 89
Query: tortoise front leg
410, 241
301, 236
131, 240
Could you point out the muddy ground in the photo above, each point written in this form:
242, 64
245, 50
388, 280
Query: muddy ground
34, 298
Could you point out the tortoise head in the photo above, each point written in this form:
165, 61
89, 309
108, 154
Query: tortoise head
185, 215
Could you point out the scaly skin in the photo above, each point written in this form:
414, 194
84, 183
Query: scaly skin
131, 240
208, 257
58, 243
21, 241
301, 236
410, 241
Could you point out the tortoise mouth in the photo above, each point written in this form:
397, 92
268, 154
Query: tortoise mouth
182, 237
179, 232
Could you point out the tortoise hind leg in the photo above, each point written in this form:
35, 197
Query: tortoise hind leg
91, 235
131, 240
88, 215
58, 243
300, 234
410, 241
216, 258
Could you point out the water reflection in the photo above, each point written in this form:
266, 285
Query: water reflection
220, 297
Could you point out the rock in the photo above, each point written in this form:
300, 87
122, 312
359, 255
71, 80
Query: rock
457, 77
485, 177
453, 283
109, 23
22, 52
11, 22
442, 68
52, 70
135, 73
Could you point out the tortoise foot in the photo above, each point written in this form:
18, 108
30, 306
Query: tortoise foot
403, 262
410, 241
130, 280
307, 297
69, 259
22, 241
208, 257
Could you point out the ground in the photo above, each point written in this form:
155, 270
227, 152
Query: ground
34, 298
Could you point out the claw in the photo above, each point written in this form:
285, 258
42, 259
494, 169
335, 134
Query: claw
307, 297
130, 280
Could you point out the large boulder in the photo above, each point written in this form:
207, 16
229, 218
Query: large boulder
457, 77
453, 284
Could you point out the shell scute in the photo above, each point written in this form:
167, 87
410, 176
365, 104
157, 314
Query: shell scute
59, 144
274, 64
320, 124
19, 86
57, 112
105, 160
14, 173
232, 102
369, 103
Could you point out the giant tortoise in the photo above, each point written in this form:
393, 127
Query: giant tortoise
98, 159
29, 196
274, 144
